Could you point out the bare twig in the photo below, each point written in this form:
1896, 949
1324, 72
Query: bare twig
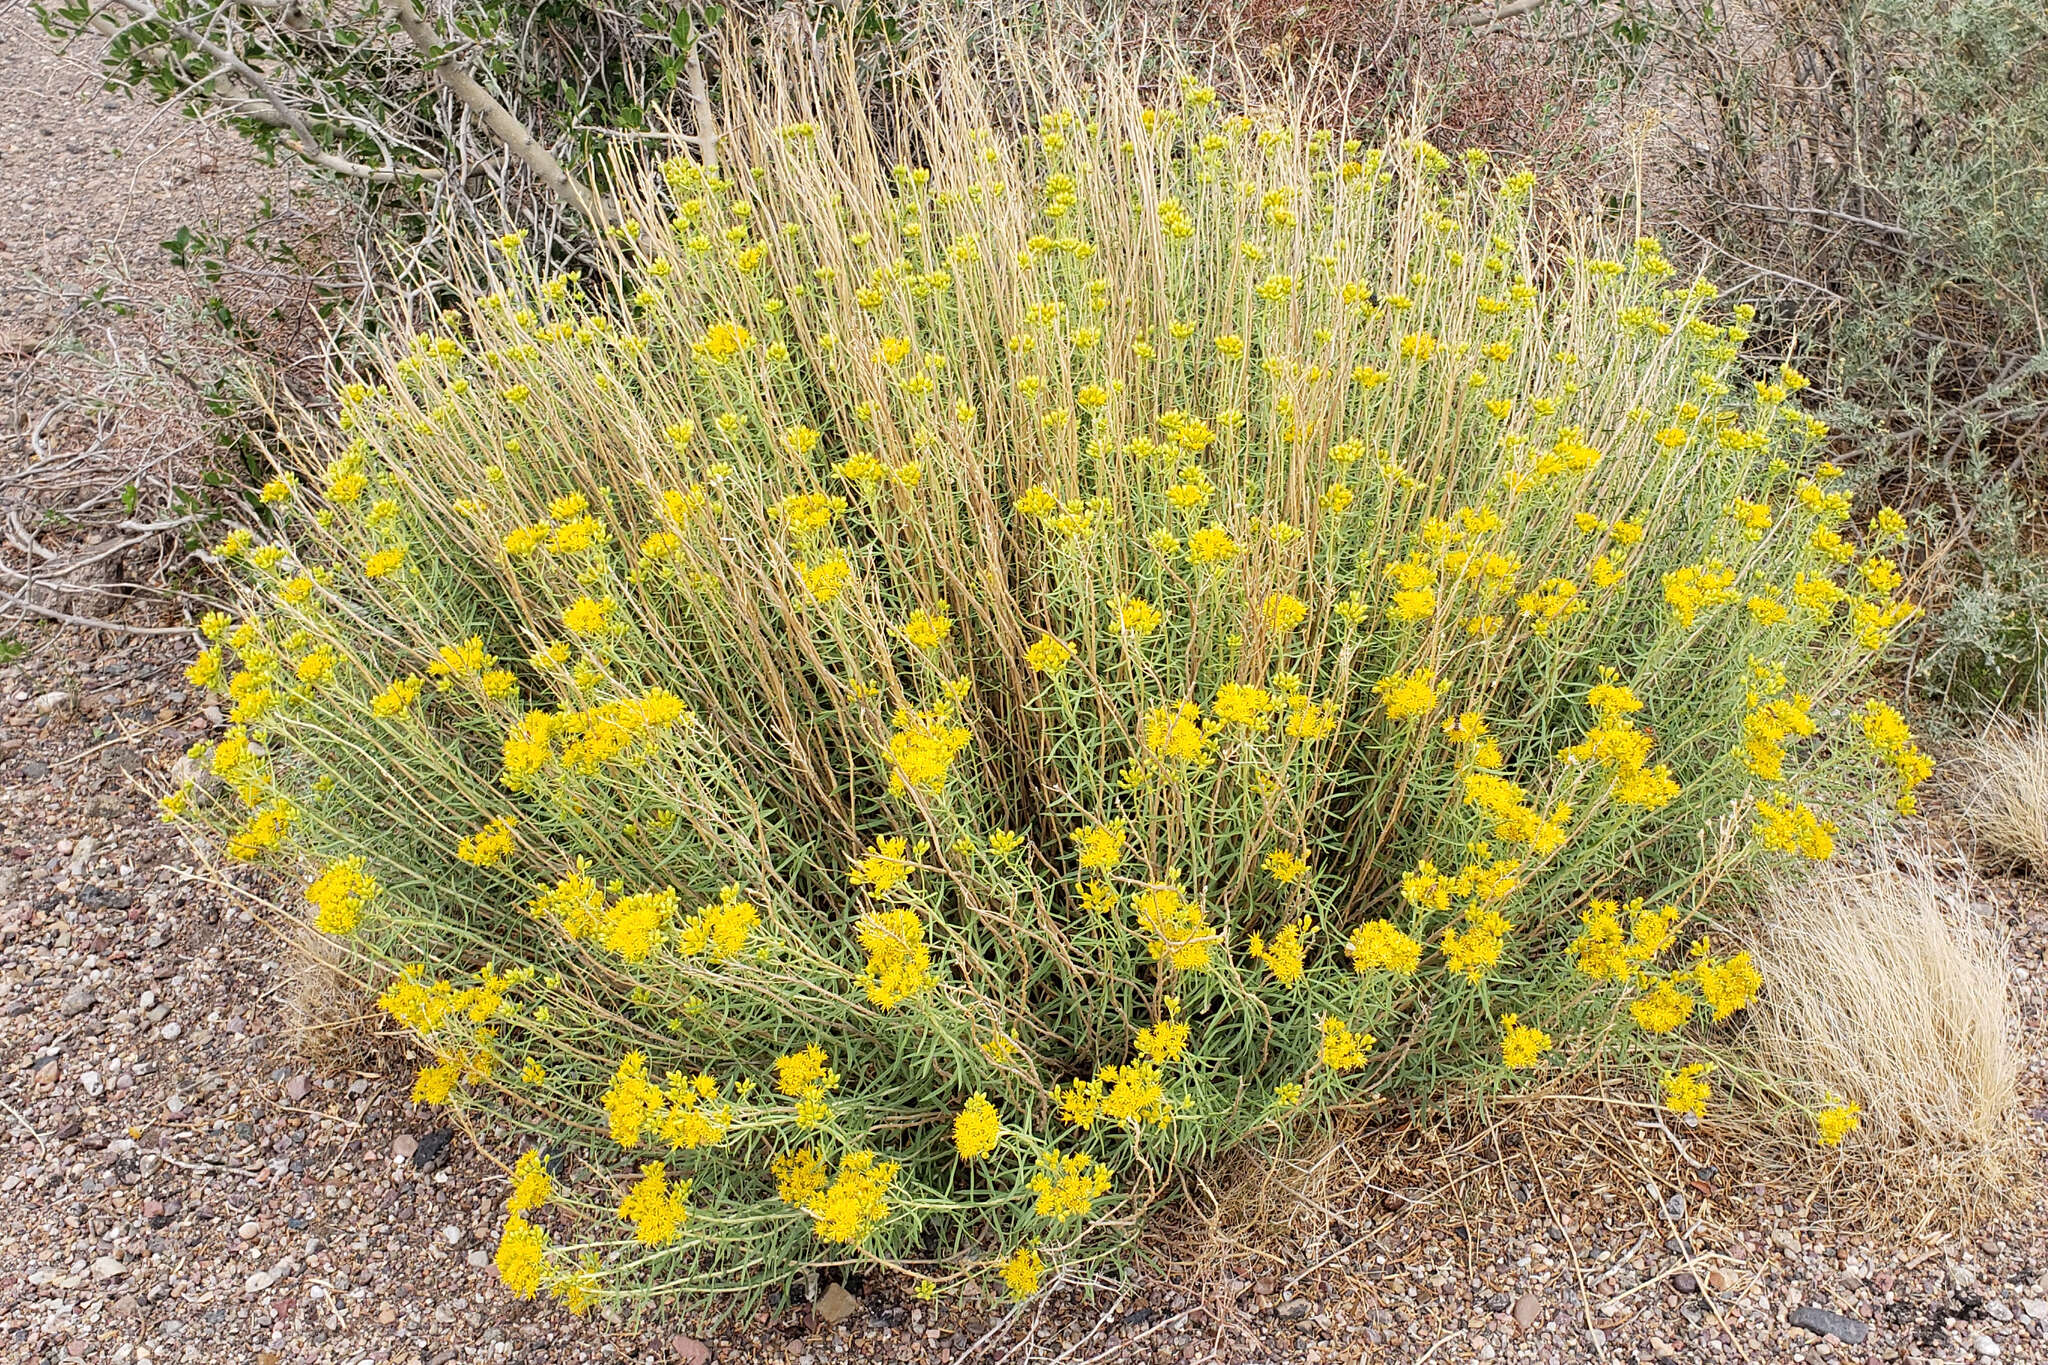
503, 125
273, 107
66, 618
700, 105
1499, 15
1817, 211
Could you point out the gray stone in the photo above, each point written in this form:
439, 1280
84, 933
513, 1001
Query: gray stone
835, 1305
1525, 1310
77, 1000
1985, 1346
1824, 1323
194, 773
2037, 1309
52, 703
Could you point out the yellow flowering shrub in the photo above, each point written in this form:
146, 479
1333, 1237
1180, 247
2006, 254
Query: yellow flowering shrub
907, 707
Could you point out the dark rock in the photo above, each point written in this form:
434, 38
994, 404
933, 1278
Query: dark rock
1824, 1323
1292, 1309
1687, 1283
432, 1149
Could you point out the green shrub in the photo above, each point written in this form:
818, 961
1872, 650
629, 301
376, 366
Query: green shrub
933, 700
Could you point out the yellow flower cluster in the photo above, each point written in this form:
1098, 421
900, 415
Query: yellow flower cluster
1285, 955
532, 1183
521, 1257
339, 894
1792, 827
686, 1115
922, 751
1887, 733
845, 1209
1023, 1271
1377, 946
1614, 742
1521, 1045
1176, 929
631, 926
582, 741
425, 1005
1686, 1091
1836, 1120
1604, 952
899, 962
1407, 695
1343, 1049
1067, 1186
656, 1209
719, 930
490, 845
1130, 1095
977, 1128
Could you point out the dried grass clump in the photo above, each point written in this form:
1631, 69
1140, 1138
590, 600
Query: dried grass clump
2007, 793
326, 1006
1886, 978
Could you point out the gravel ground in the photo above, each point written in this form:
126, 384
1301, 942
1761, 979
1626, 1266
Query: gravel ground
207, 1159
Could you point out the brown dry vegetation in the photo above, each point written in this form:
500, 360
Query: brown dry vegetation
2006, 790
1886, 975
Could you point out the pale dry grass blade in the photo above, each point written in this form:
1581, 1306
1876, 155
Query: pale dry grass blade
1886, 984
2006, 799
